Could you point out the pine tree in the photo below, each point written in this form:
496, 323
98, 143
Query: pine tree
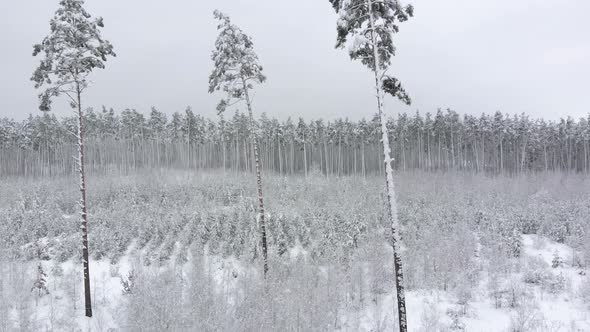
157, 123
73, 48
128, 283
236, 71
371, 25
40, 282
557, 261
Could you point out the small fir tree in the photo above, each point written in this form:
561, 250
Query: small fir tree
40, 284
557, 261
128, 283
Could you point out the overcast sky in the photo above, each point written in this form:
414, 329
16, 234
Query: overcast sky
529, 56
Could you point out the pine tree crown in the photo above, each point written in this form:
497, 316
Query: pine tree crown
236, 65
73, 48
354, 30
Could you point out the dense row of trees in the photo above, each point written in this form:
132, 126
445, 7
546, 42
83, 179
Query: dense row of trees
44, 144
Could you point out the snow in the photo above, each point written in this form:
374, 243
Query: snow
562, 312
357, 293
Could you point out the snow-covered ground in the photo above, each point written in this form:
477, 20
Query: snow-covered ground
538, 307
187, 248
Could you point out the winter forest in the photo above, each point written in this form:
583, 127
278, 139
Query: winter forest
130, 140
165, 220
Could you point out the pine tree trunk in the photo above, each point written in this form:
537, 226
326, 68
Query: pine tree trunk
522, 160
280, 159
439, 163
403, 146
392, 208
326, 158
292, 156
339, 161
545, 154
501, 155
483, 152
354, 163
585, 157
304, 156
223, 148
476, 154
258, 181
363, 158
429, 155
83, 214
452, 149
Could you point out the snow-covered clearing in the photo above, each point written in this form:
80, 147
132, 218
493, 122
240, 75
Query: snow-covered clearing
180, 252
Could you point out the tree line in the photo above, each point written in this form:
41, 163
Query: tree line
42, 145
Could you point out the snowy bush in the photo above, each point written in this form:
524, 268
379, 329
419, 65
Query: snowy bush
155, 302
555, 284
455, 315
431, 318
536, 271
584, 290
527, 318
556, 261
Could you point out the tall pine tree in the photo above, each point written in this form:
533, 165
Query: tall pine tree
236, 70
367, 27
72, 50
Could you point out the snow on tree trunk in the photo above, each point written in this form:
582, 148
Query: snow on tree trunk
371, 25
391, 202
83, 212
258, 180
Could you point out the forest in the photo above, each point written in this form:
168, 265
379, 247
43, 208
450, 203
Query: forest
130, 140
123, 220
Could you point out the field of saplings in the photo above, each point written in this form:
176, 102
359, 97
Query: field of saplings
180, 251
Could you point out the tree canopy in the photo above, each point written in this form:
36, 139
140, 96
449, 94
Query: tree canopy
73, 48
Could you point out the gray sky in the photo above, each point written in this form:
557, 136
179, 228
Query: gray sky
528, 56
